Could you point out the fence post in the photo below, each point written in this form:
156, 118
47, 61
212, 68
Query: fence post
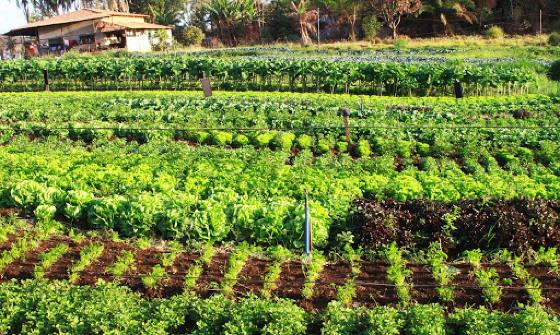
345, 115
46, 79
308, 232
458, 90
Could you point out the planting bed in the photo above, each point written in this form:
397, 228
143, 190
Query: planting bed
372, 286
517, 225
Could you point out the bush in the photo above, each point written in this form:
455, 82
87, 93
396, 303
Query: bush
400, 43
494, 33
191, 35
554, 39
371, 27
554, 71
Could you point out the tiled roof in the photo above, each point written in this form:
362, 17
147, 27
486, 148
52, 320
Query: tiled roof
77, 16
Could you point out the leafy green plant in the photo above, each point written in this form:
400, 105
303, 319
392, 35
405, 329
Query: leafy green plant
443, 273
195, 270
347, 292
152, 279
87, 256
235, 264
278, 256
48, 259
312, 270
397, 272
489, 281
125, 263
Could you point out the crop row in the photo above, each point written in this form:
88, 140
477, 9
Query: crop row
215, 194
262, 74
382, 276
516, 225
261, 109
505, 147
39, 307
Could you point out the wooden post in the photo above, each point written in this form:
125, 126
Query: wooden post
345, 116
206, 87
458, 90
46, 78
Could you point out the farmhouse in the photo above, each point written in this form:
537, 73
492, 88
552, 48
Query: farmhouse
90, 29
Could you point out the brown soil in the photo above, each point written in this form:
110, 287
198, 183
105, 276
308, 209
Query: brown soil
372, 286
250, 279
212, 275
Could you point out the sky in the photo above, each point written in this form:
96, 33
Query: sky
10, 16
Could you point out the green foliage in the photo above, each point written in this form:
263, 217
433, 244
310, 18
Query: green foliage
554, 71
442, 272
236, 262
48, 259
397, 273
495, 32
425, 320
554, 39
371, 26
312, 270
400, 43
338, 319
283, 141
278, 255
152, 279
190, 36
332, 76
195, 270
489, 281
89, 254
124, 264
363, 149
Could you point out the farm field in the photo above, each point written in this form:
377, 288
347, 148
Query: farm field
129, 205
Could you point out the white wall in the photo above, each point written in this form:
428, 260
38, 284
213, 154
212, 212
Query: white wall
138, 43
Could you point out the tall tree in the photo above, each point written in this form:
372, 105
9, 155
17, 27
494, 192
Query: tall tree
347, 12
306, 20
393, 11
167, 12
446, 10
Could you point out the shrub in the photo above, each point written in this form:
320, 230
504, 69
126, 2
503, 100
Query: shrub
400, 43
371, 27
554, 39
494, 33
554, 71
191, 35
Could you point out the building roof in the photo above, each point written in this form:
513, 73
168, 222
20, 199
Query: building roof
107, 27
71, 17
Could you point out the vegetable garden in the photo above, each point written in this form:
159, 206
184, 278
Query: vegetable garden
162, 212
296, 75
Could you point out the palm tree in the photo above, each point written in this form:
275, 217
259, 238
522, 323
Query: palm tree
444, 10
229, 16
306, 20
166, 12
